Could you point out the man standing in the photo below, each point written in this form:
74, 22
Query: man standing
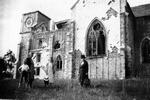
31, 69
83, 72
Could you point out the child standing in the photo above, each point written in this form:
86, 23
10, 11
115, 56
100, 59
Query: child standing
46, 80
23, 69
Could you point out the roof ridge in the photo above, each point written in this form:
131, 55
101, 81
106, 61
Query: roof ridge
141, 10
75, 4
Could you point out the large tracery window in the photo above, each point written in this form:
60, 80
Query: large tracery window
96, 39
146, 51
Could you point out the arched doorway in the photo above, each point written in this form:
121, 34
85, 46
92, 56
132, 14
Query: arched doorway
58, 67
58, 63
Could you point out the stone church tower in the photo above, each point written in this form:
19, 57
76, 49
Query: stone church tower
35, 27
36, 39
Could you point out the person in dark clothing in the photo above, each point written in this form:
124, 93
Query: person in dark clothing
83, 72
31, 70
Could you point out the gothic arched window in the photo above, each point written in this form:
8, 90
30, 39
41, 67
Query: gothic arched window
96, 39
145, 51
40, 43
59, 63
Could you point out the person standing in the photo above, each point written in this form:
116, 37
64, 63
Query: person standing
46, 63
50, 72
46, 80
31, 69
23, 69
83, 72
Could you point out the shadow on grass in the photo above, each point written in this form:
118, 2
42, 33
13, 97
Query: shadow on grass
8, 88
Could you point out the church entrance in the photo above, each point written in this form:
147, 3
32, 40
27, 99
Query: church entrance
58, 73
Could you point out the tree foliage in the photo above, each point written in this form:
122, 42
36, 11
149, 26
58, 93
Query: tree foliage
7, 63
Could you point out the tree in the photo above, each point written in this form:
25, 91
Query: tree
10, 59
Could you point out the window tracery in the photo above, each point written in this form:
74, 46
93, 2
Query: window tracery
96, 39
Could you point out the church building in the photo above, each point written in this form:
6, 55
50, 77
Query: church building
114, 38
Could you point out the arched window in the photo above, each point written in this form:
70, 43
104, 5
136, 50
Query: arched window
40, 43
59, 63
145, 51
96, 39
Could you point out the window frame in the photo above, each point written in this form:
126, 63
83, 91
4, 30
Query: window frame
143, 43
89, 31
38, 59
59, 63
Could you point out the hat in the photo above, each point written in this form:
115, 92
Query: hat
46, 76
82, 56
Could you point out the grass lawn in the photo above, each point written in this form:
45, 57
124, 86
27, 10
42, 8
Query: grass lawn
70, 90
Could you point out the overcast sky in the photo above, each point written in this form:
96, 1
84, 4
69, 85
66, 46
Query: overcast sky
11, 13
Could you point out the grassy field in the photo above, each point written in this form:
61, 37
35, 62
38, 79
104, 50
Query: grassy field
71, 90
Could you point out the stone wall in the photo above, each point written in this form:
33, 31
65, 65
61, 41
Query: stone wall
65, 38
24, 46
127, 27
108, 14
77, 61
142, 32
35, 39
129, 40
110, 67
24, 28
44, 19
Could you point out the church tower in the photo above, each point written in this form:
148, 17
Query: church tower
35, 26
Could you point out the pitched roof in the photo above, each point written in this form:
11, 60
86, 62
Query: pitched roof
142, 10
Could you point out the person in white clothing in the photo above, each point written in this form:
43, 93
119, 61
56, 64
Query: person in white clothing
23, 69
50, 73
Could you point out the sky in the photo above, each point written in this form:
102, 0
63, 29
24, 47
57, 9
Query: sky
11, 13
